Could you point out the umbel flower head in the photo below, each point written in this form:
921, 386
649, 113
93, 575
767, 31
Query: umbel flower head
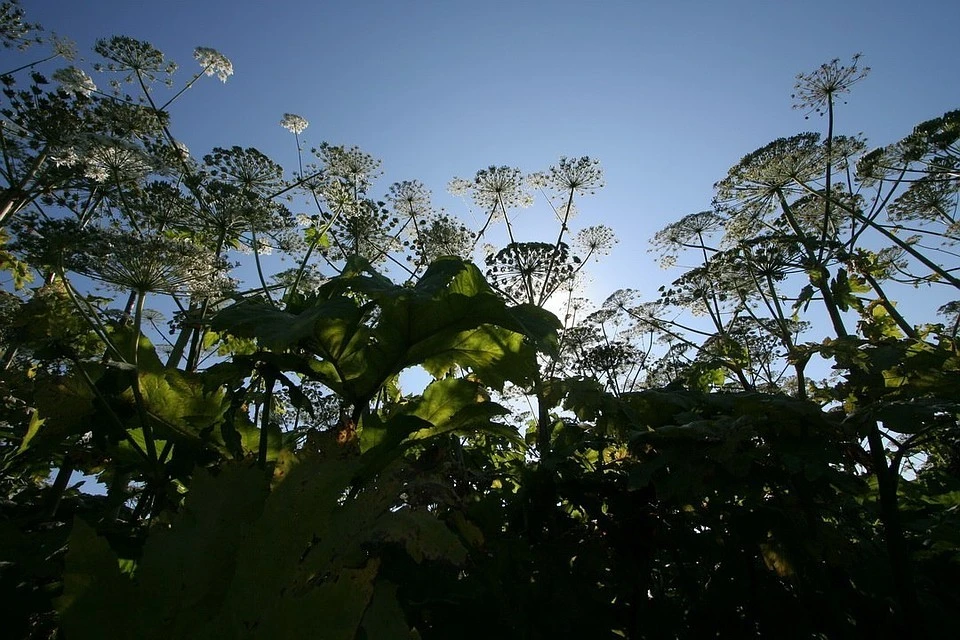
152, 264
441, 235
213, 63
351, 165
410, 198
816, 90
596, 240
14, 32
580, 175
109, 159
494, 187
75, 80
134, 57
248, 169
294, 123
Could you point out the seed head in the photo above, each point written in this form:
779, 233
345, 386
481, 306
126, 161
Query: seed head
816, 90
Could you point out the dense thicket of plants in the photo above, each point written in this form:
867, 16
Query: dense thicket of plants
769, 448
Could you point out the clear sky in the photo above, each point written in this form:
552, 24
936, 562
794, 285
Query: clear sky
668, 95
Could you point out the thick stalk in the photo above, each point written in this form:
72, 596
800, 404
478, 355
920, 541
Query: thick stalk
148, 440
256, 259
179, 347
897, 548
822, 278
13, 199
269, 382
829, 179
889, 306
59, 486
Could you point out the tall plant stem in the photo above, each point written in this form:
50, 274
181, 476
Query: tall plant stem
263, 281
269, 382
828, 180
818, 273
148, 440
59, 487
893, 533
556, 248
14, 198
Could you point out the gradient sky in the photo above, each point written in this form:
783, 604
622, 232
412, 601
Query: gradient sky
667, 95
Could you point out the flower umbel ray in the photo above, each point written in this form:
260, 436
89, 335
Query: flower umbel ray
816, 90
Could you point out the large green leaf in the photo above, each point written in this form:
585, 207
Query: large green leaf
180, 403
242, 562
95, 592
365, 330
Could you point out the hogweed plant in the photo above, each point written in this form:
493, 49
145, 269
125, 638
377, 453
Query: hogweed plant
280, 389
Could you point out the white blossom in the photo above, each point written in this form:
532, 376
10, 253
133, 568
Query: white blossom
75, 80
294, 123
214, 63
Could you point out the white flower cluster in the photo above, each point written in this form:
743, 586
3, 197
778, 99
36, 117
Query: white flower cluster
352, 165
214, 63
410, 198
75, 80
110, 159
598, 239
294, 123
494, 187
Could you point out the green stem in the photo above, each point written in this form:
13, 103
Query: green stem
110, 412
14, 199
556, 249
822, 278
873, 224
135, 386
256, 259
269, 382
184, 89
59, 487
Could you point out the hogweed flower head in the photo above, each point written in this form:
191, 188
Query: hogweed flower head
213, 63
459, 187
442, 235
347, 165
816, 90
65, 157
598, 240
115, 160
14, 32
65, 48
248, 169
410, 198
75, 80
146, 264
753, 186
294, 123
304, 220
494, 187
580, 175
133, 56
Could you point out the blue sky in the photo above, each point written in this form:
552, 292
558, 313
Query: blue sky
667, 95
